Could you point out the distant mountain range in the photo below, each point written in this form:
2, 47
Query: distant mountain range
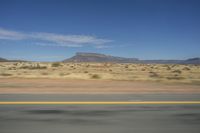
6, 60
3, 60
96, 57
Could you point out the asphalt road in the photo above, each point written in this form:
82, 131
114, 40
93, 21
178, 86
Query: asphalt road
100, 118
100, 97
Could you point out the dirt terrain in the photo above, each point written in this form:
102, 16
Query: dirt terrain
16, 85
166, 73
40, 77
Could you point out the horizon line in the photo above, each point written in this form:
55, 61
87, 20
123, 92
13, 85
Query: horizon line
64, 58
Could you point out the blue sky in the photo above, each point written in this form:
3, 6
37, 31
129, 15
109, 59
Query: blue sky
52, 30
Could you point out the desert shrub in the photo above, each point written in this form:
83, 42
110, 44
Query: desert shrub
143, 69
85, 71
155, 67
40, 67
126, 66
6, 74
174, 65
105, 64
45, 73
167, 67
186, 68
175, 78
10, 68
33, 67
55, 64
177, 71
25, 67
95, 76
153, 75
62, 74
87, 65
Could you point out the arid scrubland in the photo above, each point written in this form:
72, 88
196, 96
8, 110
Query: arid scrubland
167, 73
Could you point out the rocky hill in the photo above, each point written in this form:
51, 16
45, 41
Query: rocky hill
95, 57
192, 61
3, 60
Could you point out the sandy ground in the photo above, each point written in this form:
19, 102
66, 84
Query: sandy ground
23, 86
165, 73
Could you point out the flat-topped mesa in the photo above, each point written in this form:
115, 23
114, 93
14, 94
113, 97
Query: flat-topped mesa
96, 57
90, 54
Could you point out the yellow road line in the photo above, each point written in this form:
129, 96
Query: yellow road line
95, 102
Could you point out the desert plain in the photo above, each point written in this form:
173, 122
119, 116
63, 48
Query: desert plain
59, 77
97, 82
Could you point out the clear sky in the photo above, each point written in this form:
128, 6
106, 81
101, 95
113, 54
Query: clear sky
52, 30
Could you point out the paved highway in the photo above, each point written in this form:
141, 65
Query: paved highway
144, 118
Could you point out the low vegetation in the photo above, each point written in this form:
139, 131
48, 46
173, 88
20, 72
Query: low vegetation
56, 64
95, 76
153, 74
103, 71
6, 74
175, 78
177, 71
32, 67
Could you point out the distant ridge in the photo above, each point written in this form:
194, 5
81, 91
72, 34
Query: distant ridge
192, 61
3, 60
6, 60
96, 57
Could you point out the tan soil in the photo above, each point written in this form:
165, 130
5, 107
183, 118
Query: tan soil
16, 85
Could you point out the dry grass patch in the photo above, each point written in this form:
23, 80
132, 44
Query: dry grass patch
177, 71
56, 64
32, 67
6, 74
103, 71
95, 76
